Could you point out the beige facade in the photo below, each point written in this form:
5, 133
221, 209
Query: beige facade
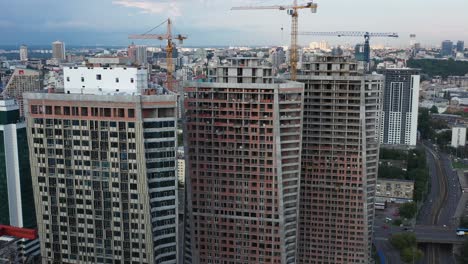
243, 164
104, 177
339, 161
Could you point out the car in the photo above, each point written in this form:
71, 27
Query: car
396, 214
385, 226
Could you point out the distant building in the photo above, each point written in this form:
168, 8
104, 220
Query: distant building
16, 190
399, 116
22, 80
460, 81
458, 137
460, 46
141, 55
23, 53
359, 53
58, 51
447, 48
131, 53
278, 57
393, 190
108, 61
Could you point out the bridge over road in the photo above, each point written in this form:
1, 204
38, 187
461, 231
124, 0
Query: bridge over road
437, 235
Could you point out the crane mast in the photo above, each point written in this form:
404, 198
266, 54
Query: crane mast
293, 12
169, 48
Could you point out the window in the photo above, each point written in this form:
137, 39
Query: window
98, 77
116, 80
131, 80
68, 79
82, 79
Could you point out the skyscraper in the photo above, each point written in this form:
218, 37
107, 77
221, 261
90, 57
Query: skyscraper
16, 192
131, 53
23, 51
22, 80
278, 57
58, 50
399, 117
244, 134
339, 161
447, 48
141, 55
460, 46
104, 174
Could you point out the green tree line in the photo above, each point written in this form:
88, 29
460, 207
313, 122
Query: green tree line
442, 68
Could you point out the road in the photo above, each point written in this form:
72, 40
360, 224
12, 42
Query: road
441, 203
382, 235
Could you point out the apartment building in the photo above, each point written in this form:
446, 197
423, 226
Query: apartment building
244, 132
104, 175
399, 117
339, 161
22, 81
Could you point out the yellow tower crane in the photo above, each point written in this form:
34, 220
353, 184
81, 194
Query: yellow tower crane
293, 12
169, 48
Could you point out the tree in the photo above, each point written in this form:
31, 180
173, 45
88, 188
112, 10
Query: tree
463, 257
424, 124
406, 244
411, 255
403, 240
434, 109
393, 154
408, 210
444, 138
390, 172
443, 68
464, 222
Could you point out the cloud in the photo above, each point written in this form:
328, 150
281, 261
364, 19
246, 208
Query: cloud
5, 24
67, 24
150, 7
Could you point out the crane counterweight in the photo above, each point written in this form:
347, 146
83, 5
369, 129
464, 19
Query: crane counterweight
169, 48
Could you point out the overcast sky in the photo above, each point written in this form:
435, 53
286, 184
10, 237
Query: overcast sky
210, 22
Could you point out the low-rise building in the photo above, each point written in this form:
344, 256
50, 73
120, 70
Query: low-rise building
394, 190
458, 137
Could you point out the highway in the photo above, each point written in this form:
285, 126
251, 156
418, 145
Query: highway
440, 206
439, 235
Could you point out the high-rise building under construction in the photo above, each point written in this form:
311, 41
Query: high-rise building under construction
104, 168
340, 146
244, 143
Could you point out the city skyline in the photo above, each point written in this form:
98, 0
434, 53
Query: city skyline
209, 22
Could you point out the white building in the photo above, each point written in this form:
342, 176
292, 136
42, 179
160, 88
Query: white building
23, 53
458, 137
399, 118
181, 165
105, 80
58, 50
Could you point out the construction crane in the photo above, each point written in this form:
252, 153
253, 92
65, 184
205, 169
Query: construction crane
293, 12
169, 48
366, 35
